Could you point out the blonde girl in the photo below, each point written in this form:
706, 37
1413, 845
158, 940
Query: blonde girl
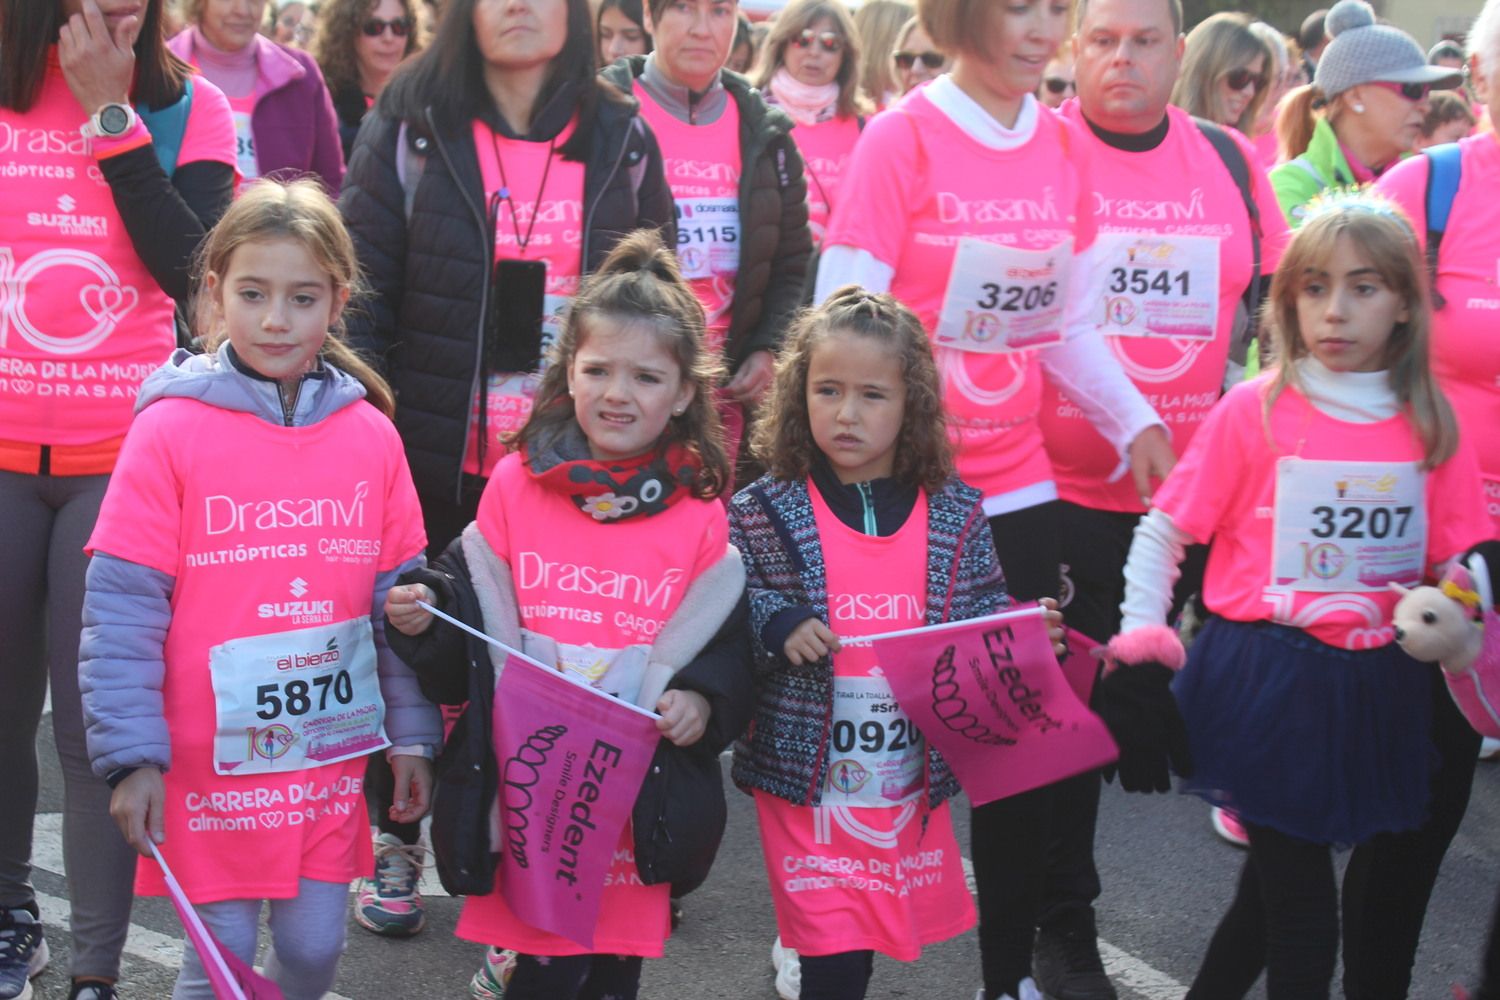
233, 679
1318, 483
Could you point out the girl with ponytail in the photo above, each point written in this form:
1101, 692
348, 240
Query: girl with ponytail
616, 473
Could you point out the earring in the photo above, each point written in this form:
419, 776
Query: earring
679, 411
1359, 109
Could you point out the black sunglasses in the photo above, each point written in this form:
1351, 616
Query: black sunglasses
932, 60
374, 27
1057, 84
1239, 78
829, 41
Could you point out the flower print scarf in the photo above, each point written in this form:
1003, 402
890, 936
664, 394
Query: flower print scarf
613, 491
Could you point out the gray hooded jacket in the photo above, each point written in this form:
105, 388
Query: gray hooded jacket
127, 606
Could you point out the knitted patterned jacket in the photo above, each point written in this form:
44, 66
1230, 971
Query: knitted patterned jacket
785, 750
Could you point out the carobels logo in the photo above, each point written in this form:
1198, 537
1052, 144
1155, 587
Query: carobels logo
1366, 489
300, 612
521, 772
1047, 270
327, 656
223, 513
575, 578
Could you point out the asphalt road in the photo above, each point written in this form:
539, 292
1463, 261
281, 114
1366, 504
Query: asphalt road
1167, 879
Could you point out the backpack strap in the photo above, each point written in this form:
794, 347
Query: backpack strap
168, 127
1234, 161
1444, 171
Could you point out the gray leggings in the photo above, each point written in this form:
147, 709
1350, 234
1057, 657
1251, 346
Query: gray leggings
307, 938
44, 523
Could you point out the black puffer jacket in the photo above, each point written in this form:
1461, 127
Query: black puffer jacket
428, 268
777, 247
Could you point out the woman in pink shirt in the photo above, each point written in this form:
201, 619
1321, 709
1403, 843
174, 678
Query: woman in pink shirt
115, 161
809, 70
984, 222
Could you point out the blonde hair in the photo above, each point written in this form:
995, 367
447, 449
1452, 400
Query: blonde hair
801, 14
783, 438
1219, 44
1385, 240
298, 210
640, 284
879, 23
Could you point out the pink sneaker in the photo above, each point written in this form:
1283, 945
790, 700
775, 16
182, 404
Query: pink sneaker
1227, 825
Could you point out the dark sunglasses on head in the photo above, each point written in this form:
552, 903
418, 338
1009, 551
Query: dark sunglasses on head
1410, 91
374, 27
932, 60
828, 41
1057, 84
1240, 78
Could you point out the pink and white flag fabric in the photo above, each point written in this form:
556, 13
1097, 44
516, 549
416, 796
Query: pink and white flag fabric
989, 695
229, 976
572, 760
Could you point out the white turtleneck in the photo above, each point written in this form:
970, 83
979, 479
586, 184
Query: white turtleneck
1156, 552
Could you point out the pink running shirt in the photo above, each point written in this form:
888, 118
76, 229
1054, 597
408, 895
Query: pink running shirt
608, 585
292, 533
825, 148
1175, 211
1225, 489
918, 184
82, 321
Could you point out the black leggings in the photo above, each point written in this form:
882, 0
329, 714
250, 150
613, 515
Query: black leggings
1008, 838
575, 977
844, 976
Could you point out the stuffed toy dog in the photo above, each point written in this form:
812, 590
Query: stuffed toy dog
1455, 625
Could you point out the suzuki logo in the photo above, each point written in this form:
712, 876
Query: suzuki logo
299, 587
66, 203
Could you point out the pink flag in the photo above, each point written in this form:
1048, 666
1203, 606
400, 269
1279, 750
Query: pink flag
227, 973
572, 760
989, 695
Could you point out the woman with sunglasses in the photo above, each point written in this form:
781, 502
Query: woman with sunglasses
1058, 83
495, 171
360, 44
131, 161
283, 116
1225, 69
809, 70
739, 185
974, 206
620, 30
1466, 360
916, 59
1362, 112
293, 23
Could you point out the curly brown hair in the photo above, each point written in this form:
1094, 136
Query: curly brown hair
640, 283
783, 438
339, 24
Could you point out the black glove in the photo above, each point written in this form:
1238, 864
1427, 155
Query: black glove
1136, 703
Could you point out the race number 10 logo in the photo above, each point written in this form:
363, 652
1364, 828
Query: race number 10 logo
101, 298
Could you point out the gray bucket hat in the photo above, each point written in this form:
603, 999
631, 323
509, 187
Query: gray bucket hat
1363, 51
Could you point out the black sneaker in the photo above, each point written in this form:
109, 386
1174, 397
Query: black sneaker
94, 990
1068, 967
23, 953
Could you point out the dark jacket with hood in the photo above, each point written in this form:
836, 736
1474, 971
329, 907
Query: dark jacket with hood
776, 246
429, 260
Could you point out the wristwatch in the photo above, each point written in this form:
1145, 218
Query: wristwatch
110, 122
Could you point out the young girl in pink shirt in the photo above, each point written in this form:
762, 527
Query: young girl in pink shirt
1318, 484
615, 475
859, 527
233, 679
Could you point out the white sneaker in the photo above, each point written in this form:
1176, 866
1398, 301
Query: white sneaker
1489, 748
788, 970
1027, 989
